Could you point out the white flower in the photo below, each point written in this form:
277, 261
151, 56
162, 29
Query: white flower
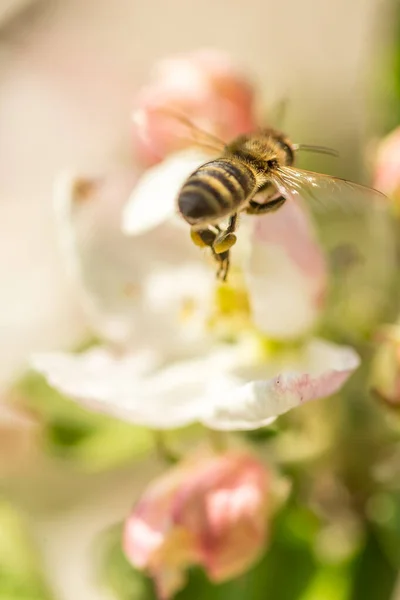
150, 287
169, 373
283, 263
153, 199
230, 388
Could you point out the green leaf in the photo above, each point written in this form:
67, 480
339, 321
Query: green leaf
291, 551
20, 573
329, 583
117, 573
384, 513
374, 575
94, 441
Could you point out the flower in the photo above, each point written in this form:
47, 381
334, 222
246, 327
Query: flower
203, 86
280, 254
286, 263
385, 374
210, 511
228, 387
171, 367
387, 165
131, 288
189, 352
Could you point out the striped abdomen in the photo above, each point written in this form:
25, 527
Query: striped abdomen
216, 190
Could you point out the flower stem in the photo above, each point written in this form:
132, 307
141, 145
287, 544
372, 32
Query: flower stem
218, 440
163, 451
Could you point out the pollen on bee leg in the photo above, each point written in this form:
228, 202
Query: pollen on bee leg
225, 243
197, 239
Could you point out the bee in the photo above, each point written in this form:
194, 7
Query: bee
253, 174
226, 186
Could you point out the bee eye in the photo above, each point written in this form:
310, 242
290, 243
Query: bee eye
273, 163
288, 151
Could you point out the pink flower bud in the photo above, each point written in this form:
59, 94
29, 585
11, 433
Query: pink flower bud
204, 87
387, 167
19, 436
210, 512
385, 377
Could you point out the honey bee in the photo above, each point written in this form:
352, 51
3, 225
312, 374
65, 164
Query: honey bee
254, 174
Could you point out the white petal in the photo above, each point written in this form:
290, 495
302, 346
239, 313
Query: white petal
133, 288
318, 371
105, 266
223, 390
127, 387
282, 305
153, 199
286, 274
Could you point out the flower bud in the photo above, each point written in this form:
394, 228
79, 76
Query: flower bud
209, 511
387, 166
19, 436
202, 86
385, 378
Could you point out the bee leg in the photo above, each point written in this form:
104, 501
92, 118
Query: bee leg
232, 224
205, 238
255, 208
226, 265
224, 262
226, 239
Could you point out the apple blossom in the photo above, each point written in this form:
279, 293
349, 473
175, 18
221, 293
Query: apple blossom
209, 510
279, 252
387, 165
205, 87
174, 365
148, 287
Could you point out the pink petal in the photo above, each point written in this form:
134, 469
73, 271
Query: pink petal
152, 542
223, 505
18, 437
319, 370
206, 88
387, 169
208, 510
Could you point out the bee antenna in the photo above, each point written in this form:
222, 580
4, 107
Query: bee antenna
318, 149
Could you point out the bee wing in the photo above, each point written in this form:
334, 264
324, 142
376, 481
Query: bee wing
153, 199
199, 135
356, 230
324, 193
188, 132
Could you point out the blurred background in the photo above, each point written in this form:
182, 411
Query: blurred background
69, 71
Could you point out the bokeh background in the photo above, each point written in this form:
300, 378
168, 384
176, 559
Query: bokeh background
69, 71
